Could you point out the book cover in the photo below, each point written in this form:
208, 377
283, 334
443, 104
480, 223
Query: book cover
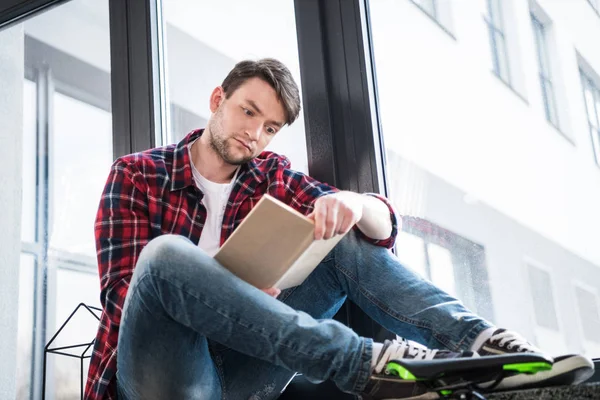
274, 246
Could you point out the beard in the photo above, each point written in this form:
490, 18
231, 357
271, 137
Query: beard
219, 141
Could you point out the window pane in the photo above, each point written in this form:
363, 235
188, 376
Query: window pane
74, 288
411, 252
81, 159
199, 59
549, 101
540, 42
493, 173
543, 298
442, 270
28, 212
494, 10
429, 6
589, 313
502, 57
25, 327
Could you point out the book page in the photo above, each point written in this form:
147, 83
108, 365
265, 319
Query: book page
307, 262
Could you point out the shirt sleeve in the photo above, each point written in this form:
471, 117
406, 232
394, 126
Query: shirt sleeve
122, 229
302, 191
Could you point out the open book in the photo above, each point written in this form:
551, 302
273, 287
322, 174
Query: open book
274, 246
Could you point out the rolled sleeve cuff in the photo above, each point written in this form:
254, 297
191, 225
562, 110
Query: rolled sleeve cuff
391, 240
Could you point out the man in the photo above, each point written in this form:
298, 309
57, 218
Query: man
177, 325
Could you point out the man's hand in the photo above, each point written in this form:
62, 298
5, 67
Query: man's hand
274, 292
336, 213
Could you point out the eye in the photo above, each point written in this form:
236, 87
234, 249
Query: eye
247, 112
271, 130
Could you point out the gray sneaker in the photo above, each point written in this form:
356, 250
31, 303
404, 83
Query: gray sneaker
568, 369
383, 385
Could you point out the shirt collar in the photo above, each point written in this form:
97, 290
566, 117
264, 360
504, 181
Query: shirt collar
181, 176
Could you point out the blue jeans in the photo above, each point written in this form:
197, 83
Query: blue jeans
190, 329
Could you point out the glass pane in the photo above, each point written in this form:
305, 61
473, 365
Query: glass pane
80, 161
25, 327
429, 6
502, 57
494, 10
199, 59
28, 212
411, 252
442, 270
589, 101
494, 173
589, 313
540, 41
74, 288
549, 102
543, 298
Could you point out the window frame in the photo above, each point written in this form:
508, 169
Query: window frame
587, 80
496, 30
545, 76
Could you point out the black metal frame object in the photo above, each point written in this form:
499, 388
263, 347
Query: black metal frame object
56, 350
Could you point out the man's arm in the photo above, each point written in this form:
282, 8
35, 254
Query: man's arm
122, 229
372, 213
337, 213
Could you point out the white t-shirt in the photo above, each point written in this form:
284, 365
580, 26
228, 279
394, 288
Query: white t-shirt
215, 200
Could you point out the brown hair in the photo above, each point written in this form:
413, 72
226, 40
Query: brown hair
275, 74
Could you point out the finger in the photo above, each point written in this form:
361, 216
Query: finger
319, 218
331, 221
344, 225
274, 292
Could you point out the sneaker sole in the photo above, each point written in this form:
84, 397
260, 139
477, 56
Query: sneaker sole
570, 370
425, 396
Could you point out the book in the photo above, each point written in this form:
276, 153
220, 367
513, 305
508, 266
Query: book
274, 246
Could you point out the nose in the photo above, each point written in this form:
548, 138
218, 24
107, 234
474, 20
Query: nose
254, 131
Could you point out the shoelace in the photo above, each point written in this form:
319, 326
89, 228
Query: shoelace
513, 340
404, 349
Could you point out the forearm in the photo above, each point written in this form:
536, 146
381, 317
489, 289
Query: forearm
375, 221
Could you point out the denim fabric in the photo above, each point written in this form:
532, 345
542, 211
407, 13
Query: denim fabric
192, 330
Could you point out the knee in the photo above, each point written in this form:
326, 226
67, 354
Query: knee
160, 252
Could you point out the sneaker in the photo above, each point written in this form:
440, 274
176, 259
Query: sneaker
384, 386
568, 369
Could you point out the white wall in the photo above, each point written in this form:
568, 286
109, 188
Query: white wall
11, 126
444, 109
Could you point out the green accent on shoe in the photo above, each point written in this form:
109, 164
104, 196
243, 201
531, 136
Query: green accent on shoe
528, 368
398, 370
445, 392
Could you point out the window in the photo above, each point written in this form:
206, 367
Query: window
67, 153
543, 298
595, 5
429, 6
548, 92
439, 11
591, 94
589, 316
198, 60
452, 262
479, 177
495, 23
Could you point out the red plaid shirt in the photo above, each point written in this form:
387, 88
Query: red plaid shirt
152, 193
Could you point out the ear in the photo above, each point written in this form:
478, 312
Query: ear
216, 98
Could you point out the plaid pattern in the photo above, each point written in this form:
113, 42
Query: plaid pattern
152, 193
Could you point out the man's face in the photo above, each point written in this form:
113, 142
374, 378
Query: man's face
244, 124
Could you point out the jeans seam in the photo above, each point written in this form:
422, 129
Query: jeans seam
369, 296
238, 323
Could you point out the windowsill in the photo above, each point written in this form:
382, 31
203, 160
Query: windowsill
561, 133
512, 89
438, 23
578, 392
594, 8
